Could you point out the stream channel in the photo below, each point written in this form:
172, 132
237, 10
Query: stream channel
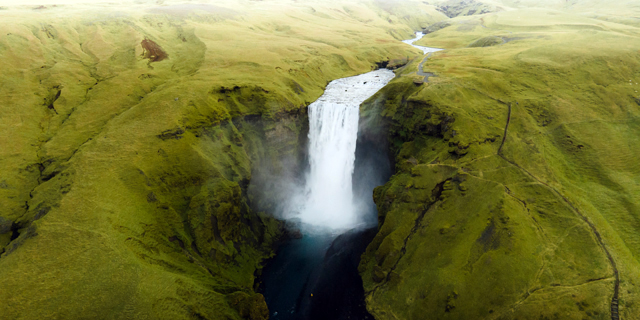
316, 276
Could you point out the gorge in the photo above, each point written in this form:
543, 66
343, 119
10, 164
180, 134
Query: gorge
303, 271
316, 277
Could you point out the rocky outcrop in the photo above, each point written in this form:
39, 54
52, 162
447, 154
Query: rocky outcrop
455, 8
436, 26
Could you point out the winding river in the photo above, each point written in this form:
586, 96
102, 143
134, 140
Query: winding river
419, 36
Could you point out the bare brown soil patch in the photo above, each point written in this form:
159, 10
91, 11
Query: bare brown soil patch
153, 51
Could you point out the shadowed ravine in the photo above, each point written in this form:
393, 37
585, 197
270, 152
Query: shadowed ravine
316, 276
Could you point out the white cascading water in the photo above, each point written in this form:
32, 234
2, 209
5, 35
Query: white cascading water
333, 129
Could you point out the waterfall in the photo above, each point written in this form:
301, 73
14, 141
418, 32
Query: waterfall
333, 130
327, 200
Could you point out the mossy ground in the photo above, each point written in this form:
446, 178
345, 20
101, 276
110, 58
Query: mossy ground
125, 189
124, 182
467, 233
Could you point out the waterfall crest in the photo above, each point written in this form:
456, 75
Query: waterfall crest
327, 200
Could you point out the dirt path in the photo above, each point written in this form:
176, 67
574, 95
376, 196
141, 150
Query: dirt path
421, 72
506, 127
614, 300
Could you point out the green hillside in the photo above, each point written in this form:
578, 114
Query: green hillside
141, 146
128, 136
540, 224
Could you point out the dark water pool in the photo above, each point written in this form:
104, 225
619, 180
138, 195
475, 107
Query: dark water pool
316, 277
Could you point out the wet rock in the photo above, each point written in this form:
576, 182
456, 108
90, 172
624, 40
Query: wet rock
382, 64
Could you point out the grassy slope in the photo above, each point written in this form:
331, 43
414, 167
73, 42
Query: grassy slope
126, 199
467, 233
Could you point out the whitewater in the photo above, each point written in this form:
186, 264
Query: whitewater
327, 199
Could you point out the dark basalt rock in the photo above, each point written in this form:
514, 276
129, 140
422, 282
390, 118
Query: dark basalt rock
382, 64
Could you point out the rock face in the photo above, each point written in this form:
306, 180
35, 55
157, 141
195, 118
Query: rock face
536, 227
283, 152
455, 8
138, 149
436, 26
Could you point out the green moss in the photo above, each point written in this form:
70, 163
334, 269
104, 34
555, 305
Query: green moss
251, 307
487, 42
5, 238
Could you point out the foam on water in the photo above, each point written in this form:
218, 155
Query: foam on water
327, 201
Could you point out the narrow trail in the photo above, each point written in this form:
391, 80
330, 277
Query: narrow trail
614, 300
436, 193
421, 72
506, 127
